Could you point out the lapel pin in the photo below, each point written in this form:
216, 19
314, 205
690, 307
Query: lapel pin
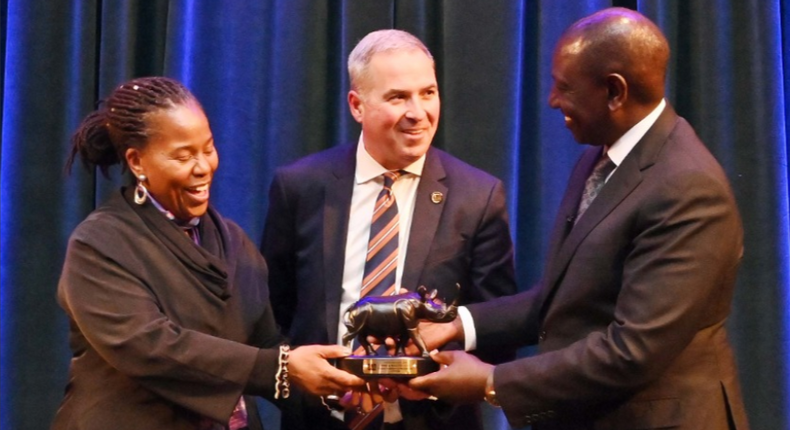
437, 197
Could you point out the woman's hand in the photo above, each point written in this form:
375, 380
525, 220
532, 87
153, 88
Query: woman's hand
308, 368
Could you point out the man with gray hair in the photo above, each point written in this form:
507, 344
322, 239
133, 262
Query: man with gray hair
387, 213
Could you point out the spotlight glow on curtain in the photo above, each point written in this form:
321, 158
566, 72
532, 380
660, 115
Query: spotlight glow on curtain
271, 75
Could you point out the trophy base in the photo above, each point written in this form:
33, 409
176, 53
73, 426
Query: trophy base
368, 367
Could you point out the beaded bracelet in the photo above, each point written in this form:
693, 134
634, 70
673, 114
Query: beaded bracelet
282, 387
332, 403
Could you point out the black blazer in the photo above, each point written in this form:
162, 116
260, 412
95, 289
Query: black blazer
163, 332
463, 239
630, 314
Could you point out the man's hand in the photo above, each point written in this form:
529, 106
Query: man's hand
398, 388
461, 378
378, 391
364, 399
435, 335
309, 369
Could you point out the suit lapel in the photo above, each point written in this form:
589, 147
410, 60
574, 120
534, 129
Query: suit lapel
425, 219
622, 182
337, 204
566, 214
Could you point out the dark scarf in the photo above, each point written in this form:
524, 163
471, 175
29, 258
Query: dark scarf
206, 262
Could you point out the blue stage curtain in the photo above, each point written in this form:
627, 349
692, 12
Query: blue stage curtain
271, 75
728, 79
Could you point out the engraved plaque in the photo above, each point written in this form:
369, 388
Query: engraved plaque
387, 367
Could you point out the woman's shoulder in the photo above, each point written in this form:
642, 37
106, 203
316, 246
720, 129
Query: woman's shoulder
234, 232
111, 220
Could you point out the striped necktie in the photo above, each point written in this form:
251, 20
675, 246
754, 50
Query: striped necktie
382, 255
381, 265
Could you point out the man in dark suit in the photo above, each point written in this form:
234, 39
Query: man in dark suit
629, 317
453, 224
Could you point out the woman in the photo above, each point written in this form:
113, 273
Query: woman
170, 323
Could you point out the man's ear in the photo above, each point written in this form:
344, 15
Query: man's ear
133, 161
617, 91
355, 105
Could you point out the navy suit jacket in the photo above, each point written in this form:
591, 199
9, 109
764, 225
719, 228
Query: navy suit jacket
462, 239
629, 316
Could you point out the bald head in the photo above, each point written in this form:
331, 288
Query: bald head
625, 42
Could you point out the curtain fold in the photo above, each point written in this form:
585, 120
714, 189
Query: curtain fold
130, 41
546, 151
727, 80
272, 78
47, 87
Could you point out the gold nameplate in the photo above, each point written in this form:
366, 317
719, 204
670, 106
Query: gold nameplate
376, 366
390, 366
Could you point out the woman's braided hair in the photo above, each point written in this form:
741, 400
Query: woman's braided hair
121, 122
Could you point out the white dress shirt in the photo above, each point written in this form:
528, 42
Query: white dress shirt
368, 182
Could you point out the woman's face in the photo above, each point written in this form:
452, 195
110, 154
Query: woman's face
179, 160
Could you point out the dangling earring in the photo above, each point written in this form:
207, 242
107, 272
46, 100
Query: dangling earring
140, 192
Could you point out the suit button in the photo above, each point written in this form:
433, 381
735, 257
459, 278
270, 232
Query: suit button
542, 336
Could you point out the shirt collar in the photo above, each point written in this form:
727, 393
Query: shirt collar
368, 168
623, 146
191, 223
